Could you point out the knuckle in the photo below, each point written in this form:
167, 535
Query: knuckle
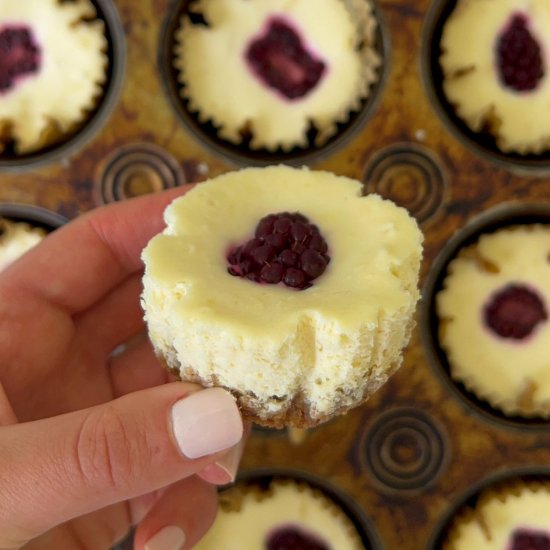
111, 451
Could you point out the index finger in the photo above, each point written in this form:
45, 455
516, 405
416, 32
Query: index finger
82, 261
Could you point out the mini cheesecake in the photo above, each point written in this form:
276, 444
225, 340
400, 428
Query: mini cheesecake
285, 286
288, 515
494, 325
513, 517
264, 72
495, 64
53, 64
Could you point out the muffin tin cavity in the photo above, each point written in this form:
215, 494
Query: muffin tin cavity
136, 169
503, 216
243, 153
482, 143
404, 449
408, 175
70, 143
465, 503
33, 215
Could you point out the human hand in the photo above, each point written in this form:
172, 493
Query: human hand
92, 442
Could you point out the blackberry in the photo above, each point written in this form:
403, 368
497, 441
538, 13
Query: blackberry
285, 248
281, 62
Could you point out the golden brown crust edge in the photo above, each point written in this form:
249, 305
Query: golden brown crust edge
297, 415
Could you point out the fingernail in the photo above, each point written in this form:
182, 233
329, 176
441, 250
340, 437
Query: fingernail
229, 462
168, 538
206, 422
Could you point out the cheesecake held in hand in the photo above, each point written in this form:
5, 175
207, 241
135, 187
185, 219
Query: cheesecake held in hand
285, 286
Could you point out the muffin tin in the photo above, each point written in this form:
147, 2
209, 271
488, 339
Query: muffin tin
421, 445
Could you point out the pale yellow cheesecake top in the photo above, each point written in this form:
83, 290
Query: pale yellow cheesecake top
286, 506
498, 516
374, 246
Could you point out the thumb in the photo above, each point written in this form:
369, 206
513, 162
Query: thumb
55, 469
